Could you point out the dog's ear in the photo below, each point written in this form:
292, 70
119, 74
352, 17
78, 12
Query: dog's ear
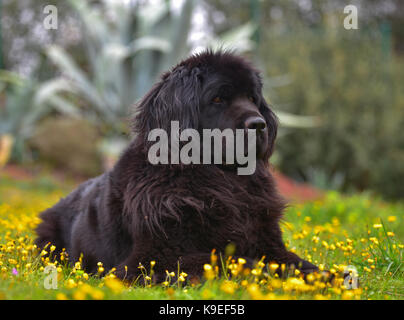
174, 98
272, 125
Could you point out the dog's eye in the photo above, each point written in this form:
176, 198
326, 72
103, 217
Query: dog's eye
217, 100
251, 98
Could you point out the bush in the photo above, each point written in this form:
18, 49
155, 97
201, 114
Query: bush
349, 79
68, 144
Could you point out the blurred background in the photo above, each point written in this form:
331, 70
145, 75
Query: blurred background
67, 94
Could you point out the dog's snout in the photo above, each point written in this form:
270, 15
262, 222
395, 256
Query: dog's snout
256, 123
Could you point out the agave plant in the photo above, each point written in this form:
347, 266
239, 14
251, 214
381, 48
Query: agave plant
26, 103
127, 47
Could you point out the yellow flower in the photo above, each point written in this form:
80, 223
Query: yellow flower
273, 267
115, 285
97, 294
71, 284
86, 288
213, 257
377, 225
61, 296
228, 286
254, 290
391, 218
347, 295
206, 294
256, 272
276, 283
207, 267
79, 295
310, 277
209, 273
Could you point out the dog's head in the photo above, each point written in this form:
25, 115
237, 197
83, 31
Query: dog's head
211, 90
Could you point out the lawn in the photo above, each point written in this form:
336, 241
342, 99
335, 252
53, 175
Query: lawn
357, 230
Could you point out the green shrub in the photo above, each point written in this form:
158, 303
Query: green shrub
68, 144
350, 80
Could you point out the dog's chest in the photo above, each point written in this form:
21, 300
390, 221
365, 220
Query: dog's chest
219, 229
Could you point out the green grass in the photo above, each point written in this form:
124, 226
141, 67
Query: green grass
358, 230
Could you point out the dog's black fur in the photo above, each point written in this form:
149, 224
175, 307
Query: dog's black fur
139, 212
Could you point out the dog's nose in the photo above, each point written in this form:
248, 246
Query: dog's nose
256, 123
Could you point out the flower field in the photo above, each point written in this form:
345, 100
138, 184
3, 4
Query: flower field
358, 231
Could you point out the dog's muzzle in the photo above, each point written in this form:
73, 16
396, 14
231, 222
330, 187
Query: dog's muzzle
259, 125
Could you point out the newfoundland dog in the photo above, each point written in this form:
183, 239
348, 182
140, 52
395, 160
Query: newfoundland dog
178, 213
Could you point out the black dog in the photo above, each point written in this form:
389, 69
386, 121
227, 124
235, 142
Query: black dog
139, 212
